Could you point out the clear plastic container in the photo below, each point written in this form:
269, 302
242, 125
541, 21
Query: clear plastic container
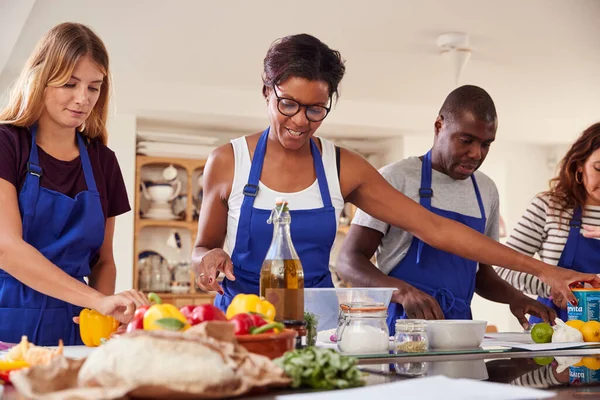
363, 329
325, 303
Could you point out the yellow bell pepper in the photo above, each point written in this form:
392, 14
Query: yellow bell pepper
6, 365
245, 303
94, 326
169, 311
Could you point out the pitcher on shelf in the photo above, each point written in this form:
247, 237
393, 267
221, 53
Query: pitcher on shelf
160, 194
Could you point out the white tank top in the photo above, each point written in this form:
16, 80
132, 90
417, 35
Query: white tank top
306, 199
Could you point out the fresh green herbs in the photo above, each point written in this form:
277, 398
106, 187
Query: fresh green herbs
320, 369
311, 328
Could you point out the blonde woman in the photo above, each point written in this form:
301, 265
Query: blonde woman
562, 225
60, 190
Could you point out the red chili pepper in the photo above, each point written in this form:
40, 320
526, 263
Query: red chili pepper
243, 323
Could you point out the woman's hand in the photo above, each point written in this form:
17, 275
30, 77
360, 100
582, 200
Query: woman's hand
560, 279
591, 231
122, 305
208, 268
558, 299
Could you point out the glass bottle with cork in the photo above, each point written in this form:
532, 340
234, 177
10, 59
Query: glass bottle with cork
281, 275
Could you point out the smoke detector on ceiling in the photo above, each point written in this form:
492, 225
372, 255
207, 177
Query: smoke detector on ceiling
455, 47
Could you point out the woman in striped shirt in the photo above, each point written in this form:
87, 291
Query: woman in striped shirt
561, 224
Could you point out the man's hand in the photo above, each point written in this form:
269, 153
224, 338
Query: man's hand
417, 304
526, 305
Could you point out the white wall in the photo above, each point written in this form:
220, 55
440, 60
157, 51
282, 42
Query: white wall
121, 139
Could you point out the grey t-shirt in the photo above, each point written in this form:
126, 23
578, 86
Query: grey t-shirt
448, 194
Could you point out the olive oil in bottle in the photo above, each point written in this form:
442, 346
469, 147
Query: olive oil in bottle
281, 275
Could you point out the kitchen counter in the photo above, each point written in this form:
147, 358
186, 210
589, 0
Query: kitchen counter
514, 367
509, 366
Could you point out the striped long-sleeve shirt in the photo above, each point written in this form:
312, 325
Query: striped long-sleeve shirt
543, 229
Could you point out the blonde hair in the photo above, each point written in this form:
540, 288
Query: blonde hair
52, 64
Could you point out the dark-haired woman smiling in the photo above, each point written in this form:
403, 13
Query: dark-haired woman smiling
243, 179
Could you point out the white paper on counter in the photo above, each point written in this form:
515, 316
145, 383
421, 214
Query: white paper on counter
520, 337
539, 346
429, 388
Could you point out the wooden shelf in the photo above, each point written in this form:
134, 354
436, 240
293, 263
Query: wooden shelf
197, 295
191, 168
187, 163
144, 223
183, 299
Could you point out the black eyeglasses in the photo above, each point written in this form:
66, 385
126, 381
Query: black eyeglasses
289, 108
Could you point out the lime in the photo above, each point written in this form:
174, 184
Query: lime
542, 333
543, 360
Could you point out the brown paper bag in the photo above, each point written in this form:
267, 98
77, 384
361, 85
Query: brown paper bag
205, 362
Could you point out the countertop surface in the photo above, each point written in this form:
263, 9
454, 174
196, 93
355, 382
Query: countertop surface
535, 369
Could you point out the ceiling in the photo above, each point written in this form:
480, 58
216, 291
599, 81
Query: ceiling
197, 64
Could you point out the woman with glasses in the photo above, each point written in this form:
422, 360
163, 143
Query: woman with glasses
243, 179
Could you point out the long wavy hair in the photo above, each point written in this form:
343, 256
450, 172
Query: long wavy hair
52, 64
565, 188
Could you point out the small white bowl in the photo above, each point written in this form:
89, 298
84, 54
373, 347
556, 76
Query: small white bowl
455, 333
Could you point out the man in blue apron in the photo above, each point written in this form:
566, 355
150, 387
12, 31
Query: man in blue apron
434, 284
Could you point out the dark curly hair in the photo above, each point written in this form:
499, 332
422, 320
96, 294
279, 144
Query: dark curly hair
303, 56
564, 188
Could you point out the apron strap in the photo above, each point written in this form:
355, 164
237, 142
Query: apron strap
568, 254
86, 165
478, 194
32, 185
426, 193
250, 192
321, 176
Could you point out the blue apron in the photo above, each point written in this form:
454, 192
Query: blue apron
68, 232
448, 278
313, 232
580, 254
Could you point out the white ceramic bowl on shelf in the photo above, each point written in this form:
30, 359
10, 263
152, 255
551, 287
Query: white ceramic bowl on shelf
455, 334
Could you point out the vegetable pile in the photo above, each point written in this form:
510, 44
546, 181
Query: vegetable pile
320, 369
250, 315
